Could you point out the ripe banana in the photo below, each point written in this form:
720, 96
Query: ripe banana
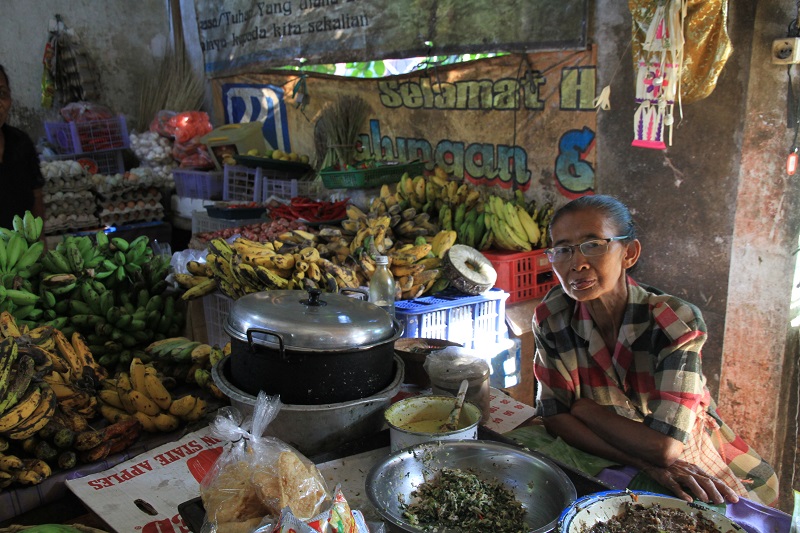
38, 419
182, 406
157, 392
143, 403
20, 412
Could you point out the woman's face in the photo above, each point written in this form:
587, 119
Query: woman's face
587, 278
5, 99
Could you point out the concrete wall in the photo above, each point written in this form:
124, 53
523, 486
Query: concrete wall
123, 40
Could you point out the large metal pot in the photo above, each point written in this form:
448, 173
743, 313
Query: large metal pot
310, 348
314, 429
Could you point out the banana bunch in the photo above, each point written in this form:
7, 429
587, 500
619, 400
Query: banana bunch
141, 394
293, 261
178, 358
24, 471
41, 370
20, 251
409, 217
511, 227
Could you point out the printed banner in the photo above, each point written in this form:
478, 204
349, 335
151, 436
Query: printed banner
239, 36
521, 121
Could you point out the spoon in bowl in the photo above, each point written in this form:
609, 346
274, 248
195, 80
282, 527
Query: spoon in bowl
452, 419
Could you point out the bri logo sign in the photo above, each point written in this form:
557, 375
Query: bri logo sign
247, 102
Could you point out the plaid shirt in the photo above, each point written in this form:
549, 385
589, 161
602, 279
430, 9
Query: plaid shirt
654, 375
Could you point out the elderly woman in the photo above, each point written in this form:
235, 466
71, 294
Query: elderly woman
619, 366
20, 178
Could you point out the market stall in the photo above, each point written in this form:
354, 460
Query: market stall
125, 351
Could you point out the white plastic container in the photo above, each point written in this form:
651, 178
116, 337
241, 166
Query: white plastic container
410, 421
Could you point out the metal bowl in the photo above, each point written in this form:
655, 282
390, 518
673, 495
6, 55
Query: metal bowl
542, 488
599, 507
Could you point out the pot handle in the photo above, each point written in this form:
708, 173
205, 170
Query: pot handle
362, 292
266, 332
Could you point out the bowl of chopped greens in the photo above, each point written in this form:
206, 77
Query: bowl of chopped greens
468, 486
621, 511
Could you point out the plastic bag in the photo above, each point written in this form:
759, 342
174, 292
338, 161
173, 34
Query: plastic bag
160, 123
85, 112
188, 125
256, 476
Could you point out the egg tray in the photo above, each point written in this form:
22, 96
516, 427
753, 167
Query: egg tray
109, 218
56, 208
71, 184
66, 196
79, 223
134, 194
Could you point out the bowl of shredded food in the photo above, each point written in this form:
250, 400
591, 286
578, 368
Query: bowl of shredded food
468, 486
642, 512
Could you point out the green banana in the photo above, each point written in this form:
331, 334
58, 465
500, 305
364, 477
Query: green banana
3, 256
55, 262
30, 256
120, 244
102, 240
15, 248
21, 297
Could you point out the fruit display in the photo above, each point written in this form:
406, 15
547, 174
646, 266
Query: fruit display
512, 227
187, 361
140, 394
47, 400
260, 232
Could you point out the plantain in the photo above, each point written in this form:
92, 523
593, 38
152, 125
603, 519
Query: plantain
88, 439
38, 418
24, 408
18, 383
67, 352
201, 289
123, 389
143, 403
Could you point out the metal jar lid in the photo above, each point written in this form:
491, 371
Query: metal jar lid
309, 321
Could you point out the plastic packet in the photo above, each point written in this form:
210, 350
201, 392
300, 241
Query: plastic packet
160, 123
188, 125
257, 476
85, 112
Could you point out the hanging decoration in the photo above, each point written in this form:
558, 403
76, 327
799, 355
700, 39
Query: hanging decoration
679, 49
68, 70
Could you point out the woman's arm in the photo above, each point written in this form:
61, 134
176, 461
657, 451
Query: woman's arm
632, 437
599, 431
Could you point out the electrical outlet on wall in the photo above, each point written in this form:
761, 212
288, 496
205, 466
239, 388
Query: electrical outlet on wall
786, 51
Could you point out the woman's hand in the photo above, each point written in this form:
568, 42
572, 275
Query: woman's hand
682, 475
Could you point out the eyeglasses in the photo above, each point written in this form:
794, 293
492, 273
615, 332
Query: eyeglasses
592, 248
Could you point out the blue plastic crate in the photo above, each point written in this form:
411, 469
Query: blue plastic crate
473, 321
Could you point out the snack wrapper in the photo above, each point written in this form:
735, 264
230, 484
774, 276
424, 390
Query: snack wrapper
257, 477
339, 518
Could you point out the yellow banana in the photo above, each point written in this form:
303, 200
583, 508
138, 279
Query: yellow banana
124, 388
143, 403
137, 372
110, 397
183, 405
147, 421
157, 392
166, 422
113, 414
20, 412
67, 352
38, 418
197, 411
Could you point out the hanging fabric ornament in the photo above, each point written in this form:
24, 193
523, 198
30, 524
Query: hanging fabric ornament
658, 76
688, 41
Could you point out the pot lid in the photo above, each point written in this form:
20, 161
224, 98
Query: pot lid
310, 320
